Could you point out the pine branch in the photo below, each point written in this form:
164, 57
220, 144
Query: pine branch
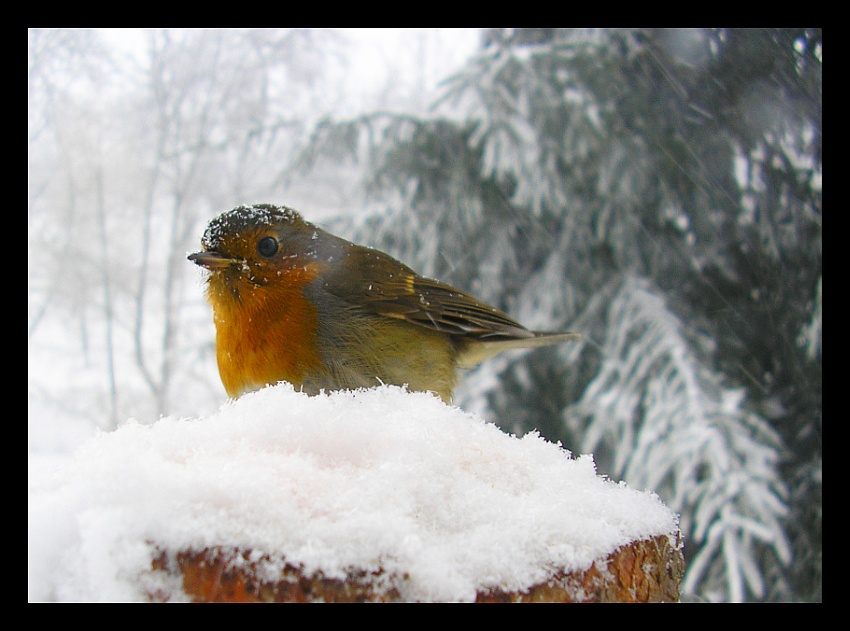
673, 427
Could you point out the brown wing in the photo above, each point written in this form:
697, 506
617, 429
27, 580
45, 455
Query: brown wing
380, 283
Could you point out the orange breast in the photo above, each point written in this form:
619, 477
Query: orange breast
265, 333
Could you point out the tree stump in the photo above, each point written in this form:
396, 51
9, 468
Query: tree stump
369, 496
644, 571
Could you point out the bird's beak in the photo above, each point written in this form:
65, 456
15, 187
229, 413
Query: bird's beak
212, 260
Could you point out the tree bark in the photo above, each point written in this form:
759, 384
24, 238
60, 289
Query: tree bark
649, 570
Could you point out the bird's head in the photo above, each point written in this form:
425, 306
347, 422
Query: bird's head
256, 246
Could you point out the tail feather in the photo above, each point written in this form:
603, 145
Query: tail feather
483, 347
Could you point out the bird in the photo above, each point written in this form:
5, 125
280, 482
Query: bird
292, 302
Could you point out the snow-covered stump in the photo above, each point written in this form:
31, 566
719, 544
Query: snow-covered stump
644, 571
375, 495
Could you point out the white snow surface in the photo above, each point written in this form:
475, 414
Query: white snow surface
364, 479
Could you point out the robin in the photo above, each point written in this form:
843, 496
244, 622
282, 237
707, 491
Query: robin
294, 303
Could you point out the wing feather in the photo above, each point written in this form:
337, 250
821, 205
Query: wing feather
377, 282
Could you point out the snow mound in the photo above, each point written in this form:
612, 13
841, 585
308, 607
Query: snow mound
379, 478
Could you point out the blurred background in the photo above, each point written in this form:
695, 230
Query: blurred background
658, 190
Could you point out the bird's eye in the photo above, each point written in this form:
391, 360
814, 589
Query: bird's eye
267, 247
